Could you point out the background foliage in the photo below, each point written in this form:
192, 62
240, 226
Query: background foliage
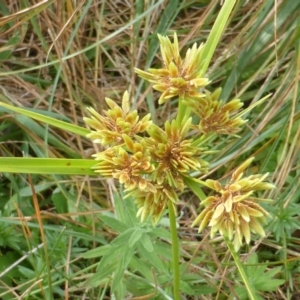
73, 237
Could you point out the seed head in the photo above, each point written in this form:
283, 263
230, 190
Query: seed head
234, 211
173, 154
153, 203
128, 165
108, 129
178, 77
216, 116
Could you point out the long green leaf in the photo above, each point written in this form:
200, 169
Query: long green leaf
216, 32
249, 288
195, 187
48, 120
46, 165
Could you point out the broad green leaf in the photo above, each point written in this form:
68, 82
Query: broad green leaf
186, 288
40, 187
269, 284
203, 289
123, 262
125, 209
27, 272
115, 260
243, 294
97, 252
60, 202
141, 263
136, 235
120, 290
103, 273
196, 282
163, 249
146, 242
6, 260
152, 259
114, 223
123, 238
261, 280
111, 257
161, 233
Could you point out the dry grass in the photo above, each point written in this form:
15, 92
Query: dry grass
58, 57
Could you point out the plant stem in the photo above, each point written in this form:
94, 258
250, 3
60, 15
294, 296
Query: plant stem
183, 111
242, 272
175, 251
216, 32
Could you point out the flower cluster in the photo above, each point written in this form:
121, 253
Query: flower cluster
174, 155
109, 129
127, 164
234, 211
184, 78
153, 203
154, 163
179, 77
216, 116
152, 168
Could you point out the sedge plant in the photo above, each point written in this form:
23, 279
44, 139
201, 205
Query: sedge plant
156, 164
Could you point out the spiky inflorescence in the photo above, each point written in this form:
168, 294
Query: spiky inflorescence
129, 164
216, 116
152, 169
153, 203
108, 129
174, 156
234, 212
179, 77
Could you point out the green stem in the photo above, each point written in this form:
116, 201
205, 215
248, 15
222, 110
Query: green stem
183, 111
175, 251
195, 186
216, 32
285, 257
242, 272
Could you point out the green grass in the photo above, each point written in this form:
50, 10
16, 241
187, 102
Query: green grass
73, 236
